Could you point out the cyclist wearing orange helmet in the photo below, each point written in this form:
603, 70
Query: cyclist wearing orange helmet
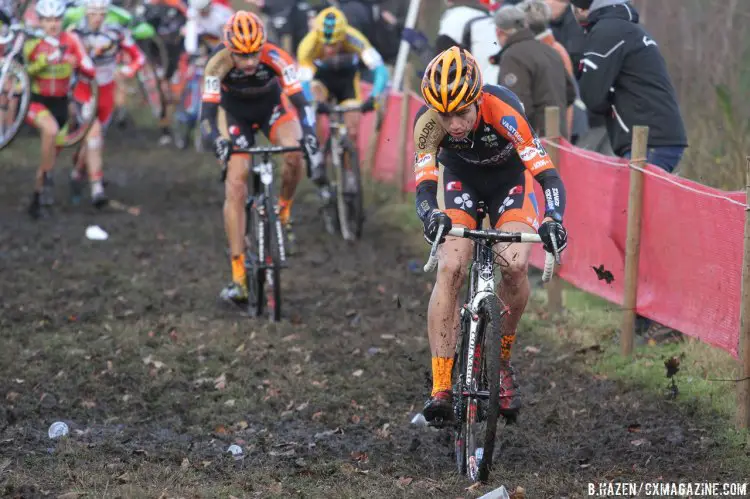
489, 152
250, 84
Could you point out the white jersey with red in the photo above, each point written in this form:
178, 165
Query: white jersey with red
211, 25
104, 45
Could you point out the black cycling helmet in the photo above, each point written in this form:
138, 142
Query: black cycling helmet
582, 4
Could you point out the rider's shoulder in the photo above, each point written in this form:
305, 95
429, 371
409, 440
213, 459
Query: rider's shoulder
275, 55
498, 96
426, 124
356, 39
219, 62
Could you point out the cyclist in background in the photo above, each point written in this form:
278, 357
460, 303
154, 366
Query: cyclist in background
489, 153
168, 17
50, 68
204, 19
103, 42
250, 84
329, 59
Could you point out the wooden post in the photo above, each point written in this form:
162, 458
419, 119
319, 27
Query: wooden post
633, 246
743, 386
402, 133
552, 133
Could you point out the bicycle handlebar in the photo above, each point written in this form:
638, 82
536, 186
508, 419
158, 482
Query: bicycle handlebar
324, 108
265, 150
257, 150
495, 236
34, 33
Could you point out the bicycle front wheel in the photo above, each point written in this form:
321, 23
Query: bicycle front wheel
349, 204
82, 113
483, 412
273, 260
254, 244
15, 97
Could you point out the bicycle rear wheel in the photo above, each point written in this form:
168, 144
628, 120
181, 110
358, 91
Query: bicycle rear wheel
150, 86
349, 201
15, 97
482, 413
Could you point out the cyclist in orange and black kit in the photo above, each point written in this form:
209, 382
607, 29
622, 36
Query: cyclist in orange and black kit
489, 153
250, 84
50, 68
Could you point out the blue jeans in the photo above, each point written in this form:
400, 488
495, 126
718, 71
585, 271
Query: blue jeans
665, 157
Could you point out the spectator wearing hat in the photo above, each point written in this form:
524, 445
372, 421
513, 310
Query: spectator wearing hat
538, 16
566, 29
532, 70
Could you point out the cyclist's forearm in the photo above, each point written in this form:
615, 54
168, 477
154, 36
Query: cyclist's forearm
210, 112
426, 198
304, 109
554, 191
37, 65
380, 80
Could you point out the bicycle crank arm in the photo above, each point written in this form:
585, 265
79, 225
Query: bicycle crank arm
482, 394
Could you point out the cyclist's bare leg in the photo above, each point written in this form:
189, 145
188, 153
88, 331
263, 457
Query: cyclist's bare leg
121, 91
351, 120
320, 93
289, 134
442, 313
93, 151
514, 269
48, 130
235, 191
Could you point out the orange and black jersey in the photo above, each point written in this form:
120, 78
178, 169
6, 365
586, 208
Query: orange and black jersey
276, 73
502, 139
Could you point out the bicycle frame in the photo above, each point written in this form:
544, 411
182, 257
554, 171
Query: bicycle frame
481, 287
262, 172
337, 130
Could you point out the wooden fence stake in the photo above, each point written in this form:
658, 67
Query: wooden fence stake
403, 129
552, 133
633, 246
743, 386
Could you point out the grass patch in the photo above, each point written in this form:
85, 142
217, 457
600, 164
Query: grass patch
590, 321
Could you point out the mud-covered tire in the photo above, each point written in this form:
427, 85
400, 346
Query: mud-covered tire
23, 94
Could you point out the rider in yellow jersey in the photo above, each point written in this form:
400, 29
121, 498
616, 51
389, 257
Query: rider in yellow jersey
329, 59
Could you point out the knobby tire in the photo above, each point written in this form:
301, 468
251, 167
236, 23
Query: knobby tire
24, 100
492, 317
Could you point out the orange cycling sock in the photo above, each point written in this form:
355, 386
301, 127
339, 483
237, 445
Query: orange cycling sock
285, 209
238, 269
506, 346
441, 374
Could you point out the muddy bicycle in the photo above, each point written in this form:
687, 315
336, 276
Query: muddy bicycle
476, 371
346, 181
265, 253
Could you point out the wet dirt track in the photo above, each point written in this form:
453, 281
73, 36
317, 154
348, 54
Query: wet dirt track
123, 340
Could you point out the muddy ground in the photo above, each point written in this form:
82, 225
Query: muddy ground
123, 340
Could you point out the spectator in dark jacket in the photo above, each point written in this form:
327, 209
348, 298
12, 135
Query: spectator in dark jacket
624, 76
566, 29
532, 70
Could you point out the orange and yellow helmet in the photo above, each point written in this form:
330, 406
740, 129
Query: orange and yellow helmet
244, 33
452, 81
331, 26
